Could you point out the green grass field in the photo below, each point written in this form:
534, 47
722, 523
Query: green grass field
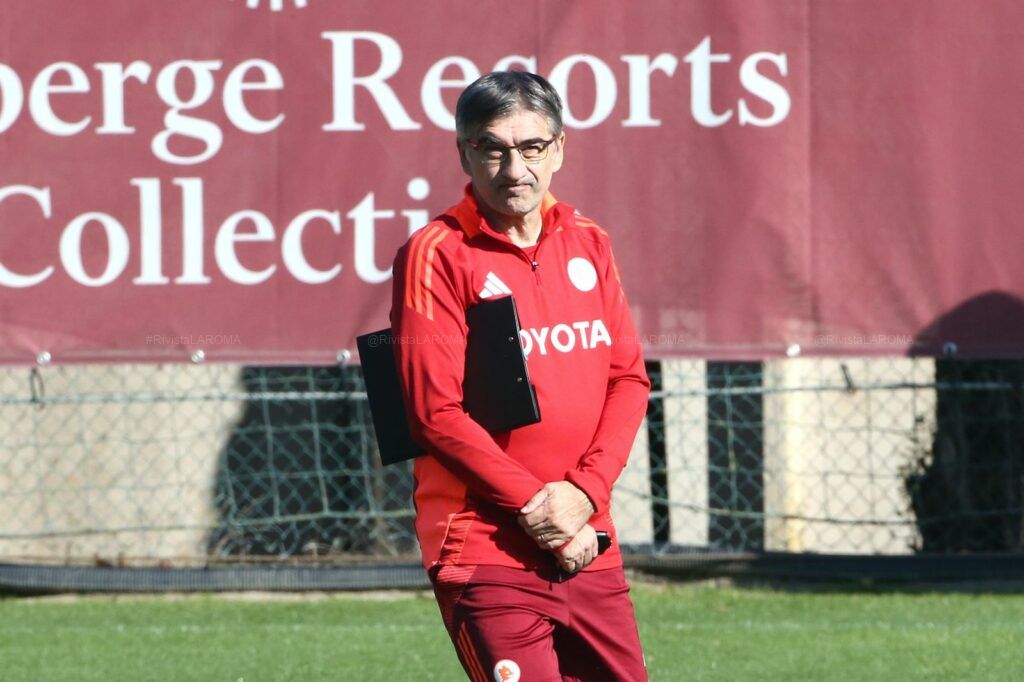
689, 633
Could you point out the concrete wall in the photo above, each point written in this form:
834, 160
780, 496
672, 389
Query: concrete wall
101, 476
834, 460
686, 465
104, 477
686, 445
631, 502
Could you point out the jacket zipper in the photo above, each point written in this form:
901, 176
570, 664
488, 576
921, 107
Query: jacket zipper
534, 262
536, 265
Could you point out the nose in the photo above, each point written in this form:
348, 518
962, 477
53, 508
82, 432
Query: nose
513, 166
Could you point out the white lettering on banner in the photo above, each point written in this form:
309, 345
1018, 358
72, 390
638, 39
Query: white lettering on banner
700, 61
12, 97
235, 87
9, 278
39, 98
71, 249
150, 232
564, 337
275, 5
228, 236
604, 84
345, 81
356, 77
367, 219
192, 231
640, 69
114, 76
765, 88
418, 189
187, 126
291, 247
365, 216
434, 82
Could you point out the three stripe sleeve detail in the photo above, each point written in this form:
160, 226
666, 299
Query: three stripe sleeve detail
419, 270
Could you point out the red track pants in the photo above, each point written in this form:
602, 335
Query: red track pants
513, 625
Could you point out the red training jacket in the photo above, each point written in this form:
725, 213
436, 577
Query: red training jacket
584, 358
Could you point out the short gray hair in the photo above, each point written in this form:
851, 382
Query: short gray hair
498, 94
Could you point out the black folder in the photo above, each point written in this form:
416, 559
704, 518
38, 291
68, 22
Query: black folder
496, 388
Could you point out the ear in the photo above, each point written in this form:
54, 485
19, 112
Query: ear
463, 156
559, 153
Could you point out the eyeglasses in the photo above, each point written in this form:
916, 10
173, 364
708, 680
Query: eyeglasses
493, 154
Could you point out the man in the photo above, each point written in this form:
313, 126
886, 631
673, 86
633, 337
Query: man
507, 521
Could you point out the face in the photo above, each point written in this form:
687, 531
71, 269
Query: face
512, 188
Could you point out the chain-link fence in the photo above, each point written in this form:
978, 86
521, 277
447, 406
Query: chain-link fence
173, 465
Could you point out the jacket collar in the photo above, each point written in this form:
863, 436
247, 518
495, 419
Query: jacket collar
555, 215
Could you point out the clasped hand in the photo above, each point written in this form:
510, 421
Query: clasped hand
556, 518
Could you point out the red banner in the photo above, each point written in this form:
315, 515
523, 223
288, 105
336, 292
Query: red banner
234, 176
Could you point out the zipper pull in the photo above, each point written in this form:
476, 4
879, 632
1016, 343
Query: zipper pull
535, 264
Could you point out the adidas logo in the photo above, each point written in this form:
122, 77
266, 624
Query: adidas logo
494, 287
